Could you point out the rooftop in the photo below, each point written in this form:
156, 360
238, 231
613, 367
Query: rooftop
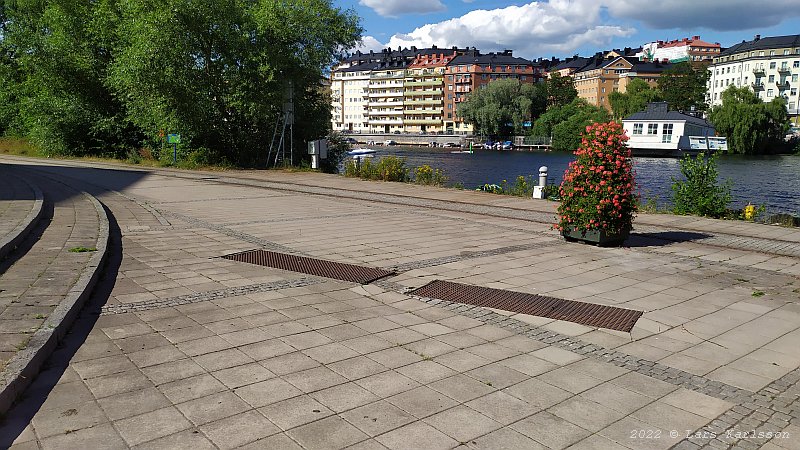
759, 43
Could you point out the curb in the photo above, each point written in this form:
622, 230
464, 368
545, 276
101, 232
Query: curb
10, 241
25, 365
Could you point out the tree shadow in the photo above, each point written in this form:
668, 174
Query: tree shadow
26, 407
663, 238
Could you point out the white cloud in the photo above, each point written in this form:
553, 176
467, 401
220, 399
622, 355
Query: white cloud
721, 15
394, 8
369, 43
534, 29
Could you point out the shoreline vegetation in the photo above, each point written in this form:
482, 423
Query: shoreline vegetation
394, 169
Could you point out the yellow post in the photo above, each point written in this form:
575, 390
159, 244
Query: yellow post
749, 212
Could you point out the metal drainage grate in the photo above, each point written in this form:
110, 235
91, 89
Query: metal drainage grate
311, 266
590, 314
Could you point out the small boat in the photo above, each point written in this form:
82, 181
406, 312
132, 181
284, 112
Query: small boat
462, 151
361, 152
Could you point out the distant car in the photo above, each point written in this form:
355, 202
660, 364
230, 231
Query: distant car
396, 131
451, 145
389, 142
351, 140
508, 145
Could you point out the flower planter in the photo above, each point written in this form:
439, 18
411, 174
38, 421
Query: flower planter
597, 237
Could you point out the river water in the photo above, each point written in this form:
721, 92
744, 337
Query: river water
772, 181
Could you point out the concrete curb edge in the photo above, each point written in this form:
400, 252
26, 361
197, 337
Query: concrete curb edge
10, 241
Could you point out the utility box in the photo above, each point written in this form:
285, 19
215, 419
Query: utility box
319, 148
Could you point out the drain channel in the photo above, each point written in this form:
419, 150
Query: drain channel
590, 314
311, 266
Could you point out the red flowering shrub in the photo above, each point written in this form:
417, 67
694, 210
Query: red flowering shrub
597, 191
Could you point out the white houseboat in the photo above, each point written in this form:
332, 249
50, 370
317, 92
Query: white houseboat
660, 132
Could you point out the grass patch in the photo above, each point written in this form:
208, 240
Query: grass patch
82, 249
758, 294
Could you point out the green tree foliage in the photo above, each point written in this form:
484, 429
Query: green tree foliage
684, 87
566, 123
636, 97
750, 125
699, 193
502, 102
110, 74
560, 90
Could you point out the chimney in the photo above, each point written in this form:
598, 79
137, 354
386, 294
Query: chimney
757, 37
695, 38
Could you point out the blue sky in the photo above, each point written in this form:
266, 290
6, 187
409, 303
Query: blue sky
565, 27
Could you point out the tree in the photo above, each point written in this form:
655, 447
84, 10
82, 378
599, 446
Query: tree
501, 107
750, 125
636, 97
684, 87
566, 123
560, 90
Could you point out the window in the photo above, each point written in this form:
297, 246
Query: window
769, 93
794, 78
667, 136
771, 79
652, 128
638, 128
796, 64
773, 65
450, 115
793, 91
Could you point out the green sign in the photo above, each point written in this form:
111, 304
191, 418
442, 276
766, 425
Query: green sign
173, 139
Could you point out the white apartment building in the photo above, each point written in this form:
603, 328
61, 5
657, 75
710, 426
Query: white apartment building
769, 66
350, 99
386, 99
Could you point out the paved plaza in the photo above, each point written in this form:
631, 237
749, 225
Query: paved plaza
178, 347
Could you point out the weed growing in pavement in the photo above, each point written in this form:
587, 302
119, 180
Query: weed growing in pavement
82, 249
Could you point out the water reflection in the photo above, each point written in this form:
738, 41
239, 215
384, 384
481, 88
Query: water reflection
773, 181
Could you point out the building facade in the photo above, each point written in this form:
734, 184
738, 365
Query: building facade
423, 96
769, 66
693, 50
660, 132
606, 74
466, 73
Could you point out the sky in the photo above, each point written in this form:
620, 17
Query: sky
562, 28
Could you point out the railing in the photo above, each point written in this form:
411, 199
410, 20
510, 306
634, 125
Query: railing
424, 111
537, 140
758, 86
423, 101
423, 121
784, 69
424, 83
416, 93
782, 86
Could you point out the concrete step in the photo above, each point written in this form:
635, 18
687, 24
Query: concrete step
45, 280
21, 204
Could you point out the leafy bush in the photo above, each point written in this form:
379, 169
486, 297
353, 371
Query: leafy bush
699, 194
597, 191
389, 168
429, 176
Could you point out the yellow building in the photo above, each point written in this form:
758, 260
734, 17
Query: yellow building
612, 73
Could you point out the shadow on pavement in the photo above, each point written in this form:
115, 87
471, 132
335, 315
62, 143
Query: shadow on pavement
663, 238
31, 401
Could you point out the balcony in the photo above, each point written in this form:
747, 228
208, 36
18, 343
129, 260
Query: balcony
424, 101
782, 86
758, 86
391, 112
392, 121
386, 94
392, 85
423, 121
424, 83
419, 93
424, 111
385, 104
758, 71
463, 80
784, 69
383, 76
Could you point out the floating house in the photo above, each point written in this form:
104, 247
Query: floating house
660, 132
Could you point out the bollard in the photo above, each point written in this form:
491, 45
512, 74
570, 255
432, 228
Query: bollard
538, 191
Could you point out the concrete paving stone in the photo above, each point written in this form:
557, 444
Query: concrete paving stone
596, 442
528, 364
204, 345
461, 360
172, 371
328, 433
394, 357
294, 412
460, 322
570, 380
190, 439
387, 383
634, 433
152, 425
497, 375
212, 407
278, 441
266, 349
697, 403
289, 363
190, 388
550, 430
739, 378
492, 351
344, 397
617, 398
401, 336
330, 353
133, 403
669, 417
461, 387
644, 385
489, 332
239, 430
421, 402
238, 376
103, 366
357, 368
342, 332
538, 394
461, 339
224, 359
314, 379
67, 419
504, 439
100, 436
430, 348
267, 392
282, 329
367, 344
556, 355
502, 407
64, 394
377, 418
245, 336
416, 436
585, 413
154, 356
187, 333
462, 423
426, 372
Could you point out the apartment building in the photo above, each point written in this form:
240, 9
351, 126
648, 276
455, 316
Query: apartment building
693, 50
770, 66
466, 73
612, 73
423, 92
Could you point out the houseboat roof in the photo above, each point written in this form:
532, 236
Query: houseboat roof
666, 116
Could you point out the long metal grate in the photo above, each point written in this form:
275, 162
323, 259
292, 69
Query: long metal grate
590, 314
311, 266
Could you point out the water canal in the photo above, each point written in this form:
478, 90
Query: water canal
773, 181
